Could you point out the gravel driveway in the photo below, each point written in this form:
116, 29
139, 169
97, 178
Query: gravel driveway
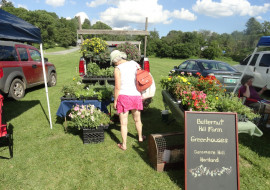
63, 52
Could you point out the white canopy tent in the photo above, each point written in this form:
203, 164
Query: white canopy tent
16, 29
263, 42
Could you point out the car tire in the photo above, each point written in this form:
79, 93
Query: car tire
52, 80
16, 89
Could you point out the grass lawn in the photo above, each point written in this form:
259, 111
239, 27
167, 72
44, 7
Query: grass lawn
47, 158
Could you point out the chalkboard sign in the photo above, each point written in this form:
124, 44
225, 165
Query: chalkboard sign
211, 151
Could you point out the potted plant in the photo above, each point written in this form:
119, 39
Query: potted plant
76, 90
131, 50
91, 121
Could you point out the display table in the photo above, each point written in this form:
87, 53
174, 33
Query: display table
179, 114
66, 105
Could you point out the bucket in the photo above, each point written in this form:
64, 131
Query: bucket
165, 115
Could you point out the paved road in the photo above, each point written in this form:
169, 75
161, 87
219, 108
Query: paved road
63, 52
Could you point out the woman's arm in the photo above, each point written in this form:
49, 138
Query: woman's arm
262, 90
247, 92
117, 78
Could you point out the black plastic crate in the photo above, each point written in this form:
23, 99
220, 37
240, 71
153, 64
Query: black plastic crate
93, 136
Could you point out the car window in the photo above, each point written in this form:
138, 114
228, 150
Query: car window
7, 53
183, 65
209, 65
35, 55
224, 67
265, 60
253, 62
192, 66
23, 54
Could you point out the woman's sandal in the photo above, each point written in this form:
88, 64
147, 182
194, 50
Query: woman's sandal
120, 145
144, 138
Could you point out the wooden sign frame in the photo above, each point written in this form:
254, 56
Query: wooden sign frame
211, 151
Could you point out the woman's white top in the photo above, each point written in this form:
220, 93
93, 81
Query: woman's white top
128, 72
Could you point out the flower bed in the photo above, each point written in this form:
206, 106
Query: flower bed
204, 94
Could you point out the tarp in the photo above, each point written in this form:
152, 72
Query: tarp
16, 29
263, 42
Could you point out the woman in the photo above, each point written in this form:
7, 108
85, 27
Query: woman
126, 95
248, 91
253, 97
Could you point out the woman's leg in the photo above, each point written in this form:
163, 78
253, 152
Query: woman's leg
124, 122
138, 123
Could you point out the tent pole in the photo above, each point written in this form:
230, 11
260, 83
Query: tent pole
45, 81
249, 61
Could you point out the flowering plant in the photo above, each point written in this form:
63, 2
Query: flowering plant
88, 116
131, 50
96, 50
203, 94
93, 45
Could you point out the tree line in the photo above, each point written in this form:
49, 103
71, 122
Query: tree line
57, 31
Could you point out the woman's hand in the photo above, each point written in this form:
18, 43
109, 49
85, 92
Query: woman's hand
115, 105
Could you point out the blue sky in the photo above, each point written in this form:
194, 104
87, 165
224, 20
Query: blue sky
221, 16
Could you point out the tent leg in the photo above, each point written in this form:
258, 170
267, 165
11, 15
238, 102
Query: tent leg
45, 81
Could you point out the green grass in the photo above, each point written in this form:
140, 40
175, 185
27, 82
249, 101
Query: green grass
55, 49
47, 158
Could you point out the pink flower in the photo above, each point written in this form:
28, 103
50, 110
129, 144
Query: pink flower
76, 108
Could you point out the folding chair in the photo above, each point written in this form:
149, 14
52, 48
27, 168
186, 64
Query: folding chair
264, 116
5, 134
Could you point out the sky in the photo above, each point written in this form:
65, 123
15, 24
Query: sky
220, 16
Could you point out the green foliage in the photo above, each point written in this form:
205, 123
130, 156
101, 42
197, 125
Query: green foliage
94, 70
79, 90
86, 24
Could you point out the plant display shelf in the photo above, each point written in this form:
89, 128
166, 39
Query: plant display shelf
100, 79
179, 113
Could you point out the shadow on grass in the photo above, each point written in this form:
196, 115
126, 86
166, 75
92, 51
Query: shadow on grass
7, 143
260, 145
13, 109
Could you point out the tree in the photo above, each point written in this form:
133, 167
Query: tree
5, 3
86, 24
101, 25
266, 28
253, 27
212, 51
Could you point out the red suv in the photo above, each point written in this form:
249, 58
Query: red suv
21, 68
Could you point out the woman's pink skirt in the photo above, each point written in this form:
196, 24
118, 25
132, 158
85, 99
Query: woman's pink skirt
126, 103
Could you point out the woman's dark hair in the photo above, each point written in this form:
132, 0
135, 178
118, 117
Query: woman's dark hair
245, 79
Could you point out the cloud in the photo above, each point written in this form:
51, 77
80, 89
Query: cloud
259, 18
96, 3
126, 12
55, 3
184, 14
83, 16
228, 8
22, 6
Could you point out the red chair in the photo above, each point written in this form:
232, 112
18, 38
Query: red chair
5, 135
